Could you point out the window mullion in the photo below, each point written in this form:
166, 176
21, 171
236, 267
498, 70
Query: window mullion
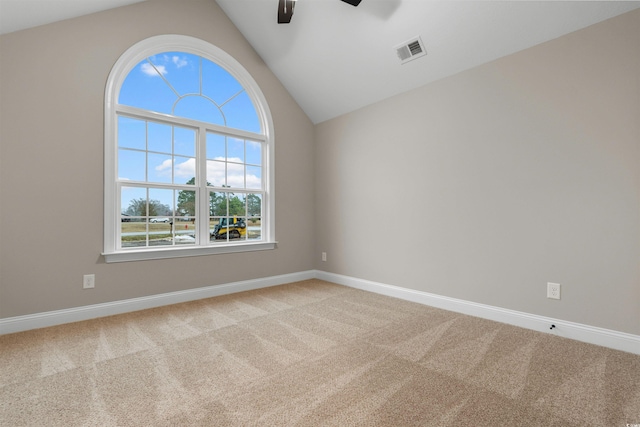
117, 232
202, 198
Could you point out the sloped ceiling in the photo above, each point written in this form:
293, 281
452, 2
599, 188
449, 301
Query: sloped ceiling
335, 58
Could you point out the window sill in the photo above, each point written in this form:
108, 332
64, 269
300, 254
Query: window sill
173, 252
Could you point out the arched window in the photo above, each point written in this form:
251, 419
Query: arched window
188, 154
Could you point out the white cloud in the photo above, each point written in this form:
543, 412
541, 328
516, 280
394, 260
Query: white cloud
235, 174
164, 168
179, 62
149, 70
186, 169
254, 182
215, 172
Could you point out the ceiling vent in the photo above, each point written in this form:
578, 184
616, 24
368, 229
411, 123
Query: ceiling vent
410, 50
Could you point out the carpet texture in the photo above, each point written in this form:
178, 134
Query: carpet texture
310, 353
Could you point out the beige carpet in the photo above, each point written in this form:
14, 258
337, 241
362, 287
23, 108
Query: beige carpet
310, 354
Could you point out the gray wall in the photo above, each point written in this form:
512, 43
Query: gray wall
486, 185
51, 172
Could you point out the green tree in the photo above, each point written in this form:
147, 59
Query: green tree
187, 200
254, 204
236, 205
218, 204
138, 207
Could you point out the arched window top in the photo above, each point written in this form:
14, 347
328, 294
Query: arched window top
186, 85
187, 77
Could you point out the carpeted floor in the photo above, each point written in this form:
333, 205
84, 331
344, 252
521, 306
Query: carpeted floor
310, 354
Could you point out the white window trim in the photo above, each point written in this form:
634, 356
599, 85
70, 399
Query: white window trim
128, 60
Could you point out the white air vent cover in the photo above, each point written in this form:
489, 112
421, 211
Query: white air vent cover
411, 50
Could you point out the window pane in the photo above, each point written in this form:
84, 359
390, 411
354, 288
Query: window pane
144, 88
133, 233
181, 70
185, 218
254, 177
217, 204
136, 228
237, 204
254, 228
254, 204
235, 150
160, 231
238, 228
132, 133
184, 170
241, 114
160, 235
254, 218
216, 147
159, 137
186, 204
160, 168
235, 175
161, 205
217, 83
185, 233
213, 229
184, 141
216, 173
254, 153
133, 201
131, 165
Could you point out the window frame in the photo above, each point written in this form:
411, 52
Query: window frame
112, 215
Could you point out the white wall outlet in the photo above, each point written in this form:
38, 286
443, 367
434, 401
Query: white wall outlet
89, 281
324, 256
553, 290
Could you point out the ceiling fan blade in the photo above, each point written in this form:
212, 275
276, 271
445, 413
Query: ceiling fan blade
285, 11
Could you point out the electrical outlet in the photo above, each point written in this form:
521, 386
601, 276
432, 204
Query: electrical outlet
553, 290
89, 281
324, 256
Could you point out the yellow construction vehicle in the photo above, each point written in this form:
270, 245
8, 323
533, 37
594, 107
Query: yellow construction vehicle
235, 228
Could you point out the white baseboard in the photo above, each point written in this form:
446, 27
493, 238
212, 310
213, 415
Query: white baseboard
58, 317
576, 331
590, 334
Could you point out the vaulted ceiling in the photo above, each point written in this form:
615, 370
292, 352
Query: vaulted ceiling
335, 58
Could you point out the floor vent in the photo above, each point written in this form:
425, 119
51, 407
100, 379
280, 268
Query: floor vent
410, 50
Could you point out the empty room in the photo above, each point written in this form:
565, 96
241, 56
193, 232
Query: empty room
319, 213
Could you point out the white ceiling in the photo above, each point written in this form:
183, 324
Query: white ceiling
335, 58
